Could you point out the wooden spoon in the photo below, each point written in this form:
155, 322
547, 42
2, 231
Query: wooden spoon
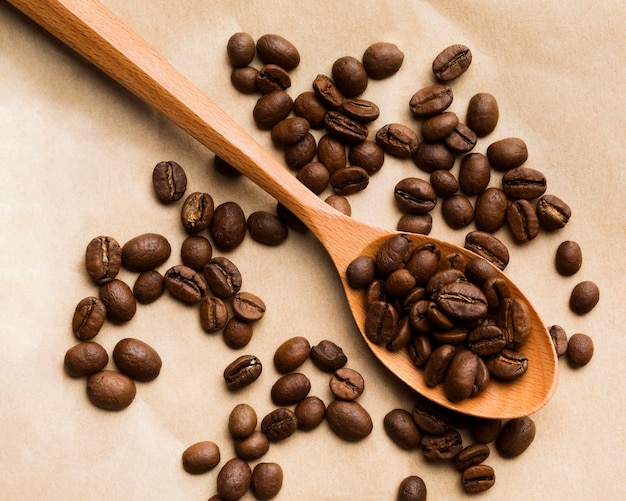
100, 37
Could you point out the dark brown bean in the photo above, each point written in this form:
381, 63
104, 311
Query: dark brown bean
145, 252
415, 196
223, 277
569, 258
430, 157
308, 105
267, 228
345, 129
240, 49
397, 140
349, 420
507, 153
340, 203
213, 314
332, 153
299, 154
412, 488
271, 108
360, 110
461, 140
552, 212
279, 424
382, 59
315, 176
237, 333
242, 421
350, 76
290, 389
328, 356
85, 359
523, 182
88, 318
349, 180
196, 252
444, 183
485, 430
242, 371
478, 478
233, 480
444, 446
272, 77
169, 181
516, 436
103, 259
110, 390
201, 457
310, 413
471, 456
228, 226
452, 62
197, 212
244, 79
439, 126
559, 339
137, 359
584, 297
508, 364
119, 301
431, 100
460, 375
248, 307
185, 284
401, 428
346, 384
522, 220
253, 446
482, 114
415, 223
490, 212
278, 50
579, 350
289, 131
267, 480
327, 92
437, 364
291, 354
489, 247
474, 174
457, 211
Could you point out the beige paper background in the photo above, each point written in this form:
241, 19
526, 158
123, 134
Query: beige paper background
78, 152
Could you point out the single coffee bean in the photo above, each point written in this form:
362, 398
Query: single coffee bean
308, 105
453, 261
412, 488
569, 258
430, 157
584, 297
299, 154
485, 430
315, 176
267, 228
430, 417
461, 140
346, 384
516, 436
291, 354
552, 212
479, 270
213, 314
482, 114
452, 62
279, 424
579, 350
462, 300
523, 182
289, 131
253, 446
340, 203
439, 126
360, 272
437, 365
242, 421
431, 100
350, 76
382, 59
460, 375
514, 319
145, 252
242, 371
278, 50
419, 318
394, 252
244, 79
344, 128
228, 226
478, 478
88, 318
457, 211
119, 301
103, 259
401, 428
85, 358
310, 413
148, 287
444, 322
237, 333
559, 339
332, 153
444, 446
489, 247
361, 110
508, 364
349, 420
415, 223
381, 321
196, 252
486, 339
490, 212
441, 278
267, 480
223, 277
248, 307
272, 77
496, 290
444, 183
415, 196
240, 49
233, 479
522, 220
110, 390
201, 457
399, 283
474, 174
397, 140
169, 181
349, 180
424, 263
403, 335
290, 389
507, 153
328, 356
472, 455
197, 212
185, 284
271, 108
327, 92
137, 359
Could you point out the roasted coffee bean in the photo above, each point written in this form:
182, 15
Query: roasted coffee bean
327, 92
299, 154
569, 258
474, 174
508, 364
584, 297
441, 278
486, 339
272, 77
291, 354
242, 421
346, 384
253, 446
453, 260
418, 316
457, 211
399, 283
213, 314
290, 389
415, 196
310, 413
552, 212
489, 247
397, 140
472, 455
349, 180
308, 105
478, 270
103, 259
439, 126
240, 49
516, 436
401, 428
462, 300
423, 263
169, 181
314, 176
244, 79
267, 480
496, 289
431, 100
289, 131
461, 140
452, 62
514, 319
137, 359
490, 212
201, 457
345, 129
444, 446
328, 356
340, 203
431, 417
185, 284
380, 323
84, 359
233, 479
382, 59
228, 226
419, 349
237, 333
559, 339
350, 76
430, 157
271, 108
278, 50
482, 114
444, 183
196, 252
523, 182
248, 307
455, 336
145, 252
361, 110
403, 335
332, 153
478, 478
267, 228
437, 365
349, 420
88, 318
482, 378
223, 277
119, 301
242, 371
522, 220
360, 272
507, 153
110, 390
415, 223
579, 350
444, 322
197, 212
394, 252
412, 488
279, 424
460, 375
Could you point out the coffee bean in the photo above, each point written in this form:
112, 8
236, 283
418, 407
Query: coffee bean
412, 488
579, 350
361, 110
349, 420
197, 212
399, 283
508, 364
507, 153
279, 424
415, 223
462, 300
489, 247
479, 270
201, 457
415, 196
496, 290
290, 389
196, 252
137, 359
441, 278
248, 307
228, 226
380, 323
360, 272
88, 318
145, 252
242, 371
482, 114
289, 131
299, 154
461, 140
237, 333
213, 314
332, 153
278, 50
437, 365
522, 220
267, 228
523, 182
291, 354
516, 436
474, 174
514, 319
559, 339
345, 129
84, 359
444, 183
457, 211
244, 79
103, 259
340, 203
552, 212
430, 157
397, 140
382, 59
444, 446
401, 428
233, 479
349, 180
350, 76
271, 108
240, 49
346, 384
327, 92
272, 77
478, 478
185, 284
471, 455
439, 126
242, 421
423, 263
148, 287
315, 176
418, 316
490, 212
486, 339
110, 390
584, 297
460, 375
253, 446
452, 62
119, 301
328, 356
431, 417
485, 430
310, 413
308, 105
223, 277
169, 181
431, 100
569, 258
267, 480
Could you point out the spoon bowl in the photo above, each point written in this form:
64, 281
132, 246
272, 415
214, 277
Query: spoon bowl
94, 32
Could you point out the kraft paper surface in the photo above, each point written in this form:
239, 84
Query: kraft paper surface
78, 152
